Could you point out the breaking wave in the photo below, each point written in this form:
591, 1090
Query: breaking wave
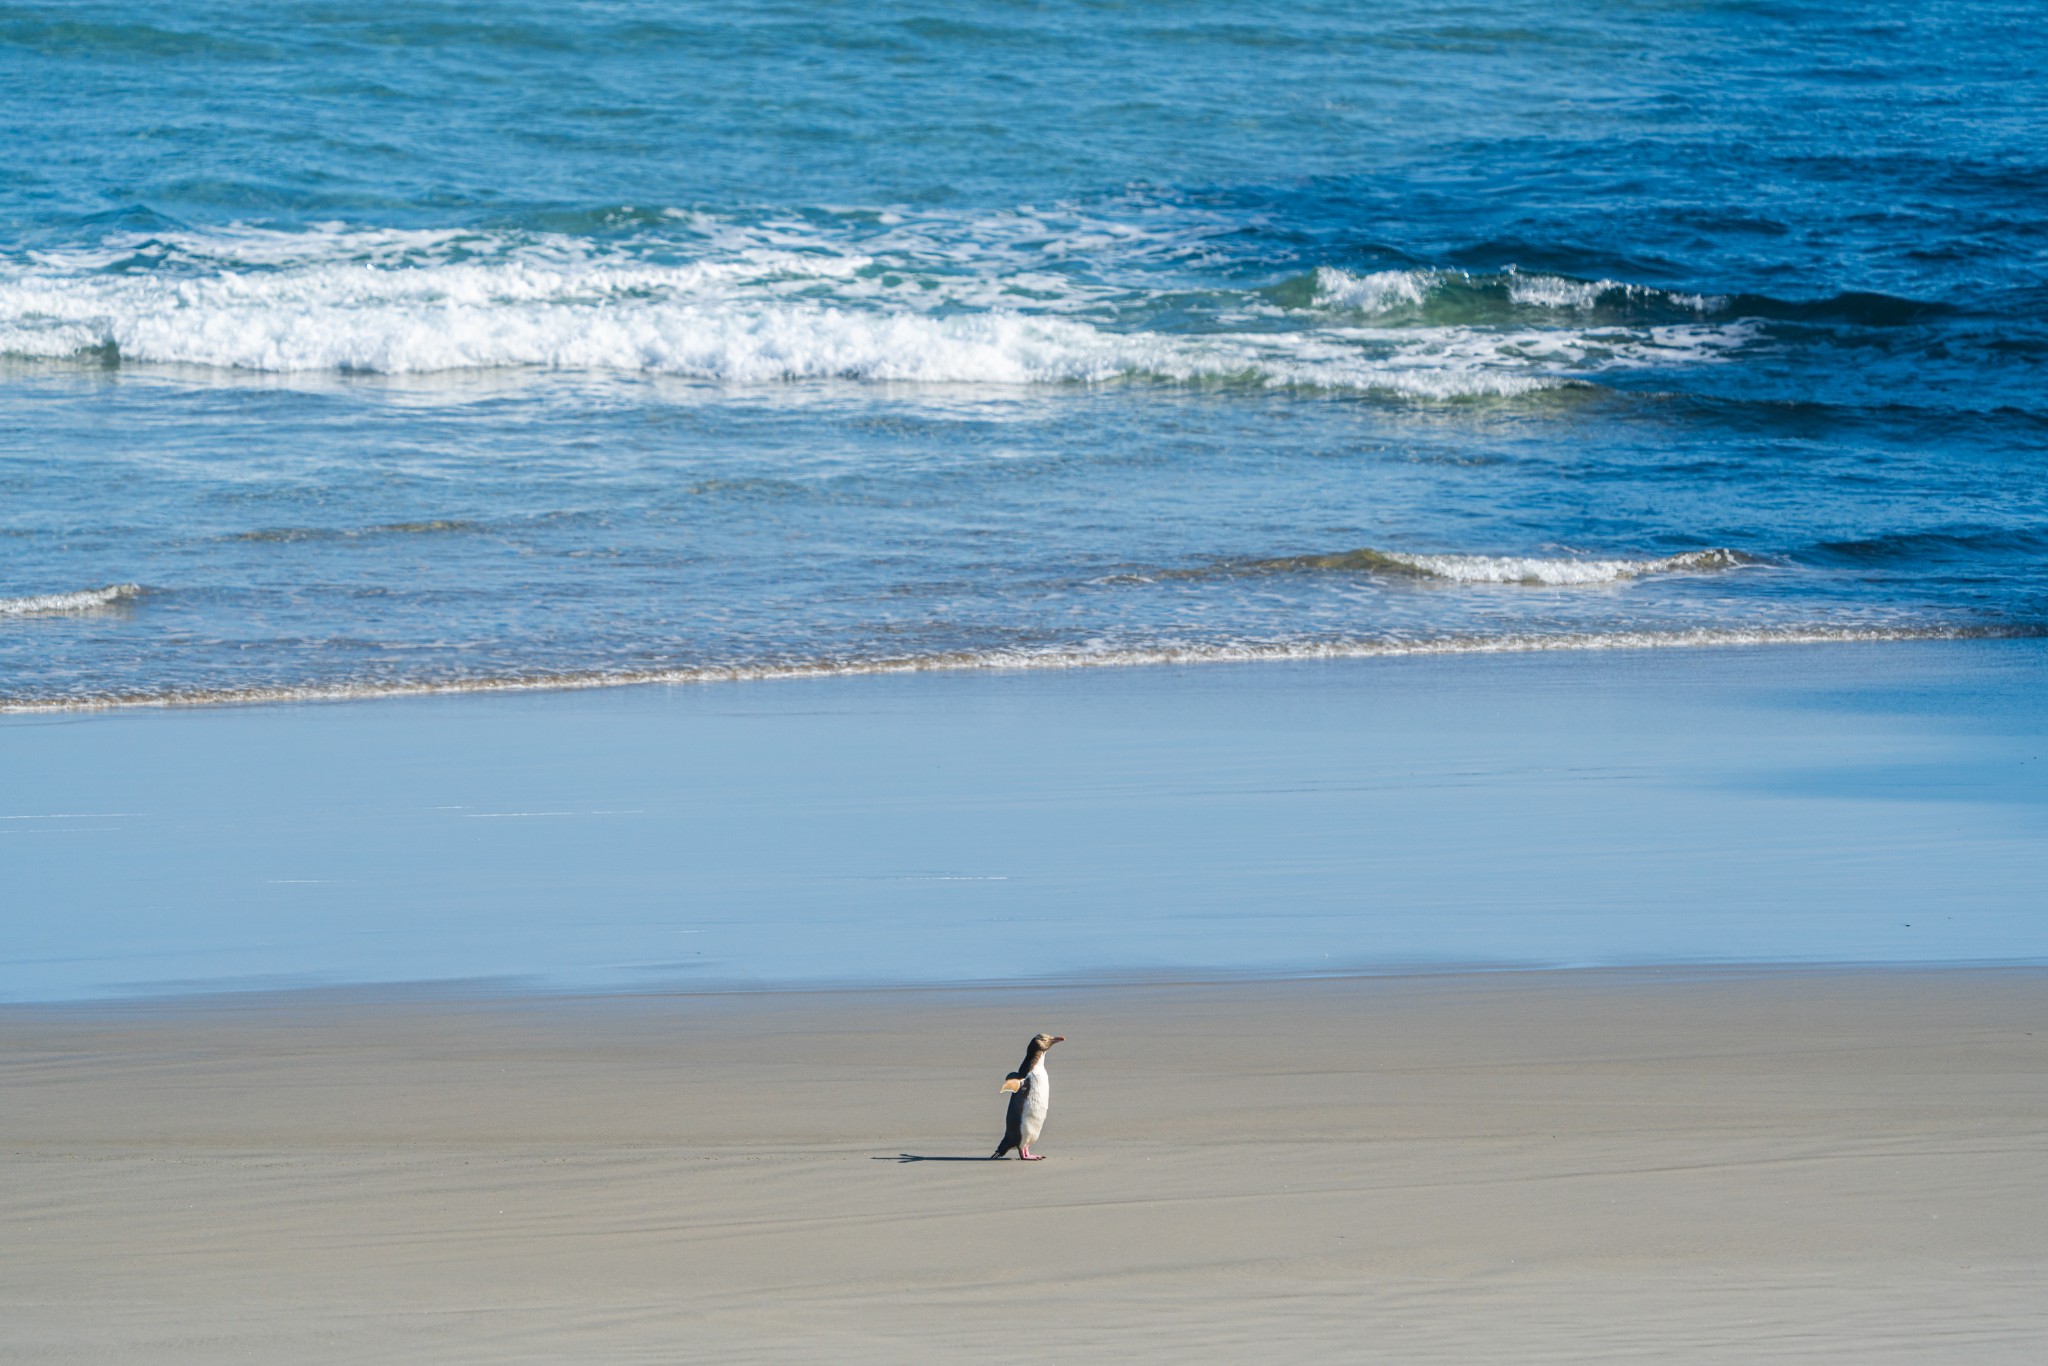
1506, 569
1069, 657
64, 604
1434, 295
763, 307
1455, 292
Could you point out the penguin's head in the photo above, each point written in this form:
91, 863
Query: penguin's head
1045, 1041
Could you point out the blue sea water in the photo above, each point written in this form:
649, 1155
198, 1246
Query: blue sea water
376, 346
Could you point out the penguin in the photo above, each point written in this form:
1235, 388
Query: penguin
1030, 1091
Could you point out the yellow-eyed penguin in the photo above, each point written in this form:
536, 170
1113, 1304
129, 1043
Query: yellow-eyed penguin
1030, 1089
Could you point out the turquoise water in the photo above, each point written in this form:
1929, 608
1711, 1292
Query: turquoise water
378, 347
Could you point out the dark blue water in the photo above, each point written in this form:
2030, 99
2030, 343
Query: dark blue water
377, 346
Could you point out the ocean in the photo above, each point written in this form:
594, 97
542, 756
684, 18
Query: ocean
377, 348
1595, 459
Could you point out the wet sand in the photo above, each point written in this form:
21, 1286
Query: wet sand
1566, 1166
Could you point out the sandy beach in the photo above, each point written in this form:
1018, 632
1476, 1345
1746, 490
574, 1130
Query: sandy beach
1569, 1166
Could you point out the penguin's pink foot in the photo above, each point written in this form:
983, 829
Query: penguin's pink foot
1027, 1155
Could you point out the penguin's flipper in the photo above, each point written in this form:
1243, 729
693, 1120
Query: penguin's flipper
1012, 1084
1013, 1120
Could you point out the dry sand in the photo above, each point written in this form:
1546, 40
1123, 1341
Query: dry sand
1595, 1166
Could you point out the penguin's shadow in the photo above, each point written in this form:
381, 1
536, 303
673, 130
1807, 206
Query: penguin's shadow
918, 1157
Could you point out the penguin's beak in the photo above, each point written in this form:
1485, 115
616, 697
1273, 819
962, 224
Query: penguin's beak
1058, 1038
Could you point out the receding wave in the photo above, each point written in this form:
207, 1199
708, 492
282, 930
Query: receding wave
67, 604
1049, 658
1502, 569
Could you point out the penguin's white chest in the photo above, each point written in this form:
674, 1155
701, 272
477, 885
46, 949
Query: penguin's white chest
1036, 1102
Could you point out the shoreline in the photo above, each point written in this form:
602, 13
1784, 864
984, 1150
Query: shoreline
1001, 662
502, 993
1590, 1166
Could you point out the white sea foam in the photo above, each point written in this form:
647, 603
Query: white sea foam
61, 604
1080, 657
1554, 291
1387, 290
762, 343
1550, 291
241, 324
756, 304
1376, 292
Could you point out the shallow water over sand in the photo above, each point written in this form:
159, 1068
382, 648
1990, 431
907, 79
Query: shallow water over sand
1866, 803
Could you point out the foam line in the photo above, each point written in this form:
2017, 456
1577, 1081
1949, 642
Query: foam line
1017, 660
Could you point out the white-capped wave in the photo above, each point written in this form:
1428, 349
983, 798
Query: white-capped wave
1556, 291
772, 342
1561, 571
1384, 291
1375, 292
1551, 291
751, 344
59, 604
772, 302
